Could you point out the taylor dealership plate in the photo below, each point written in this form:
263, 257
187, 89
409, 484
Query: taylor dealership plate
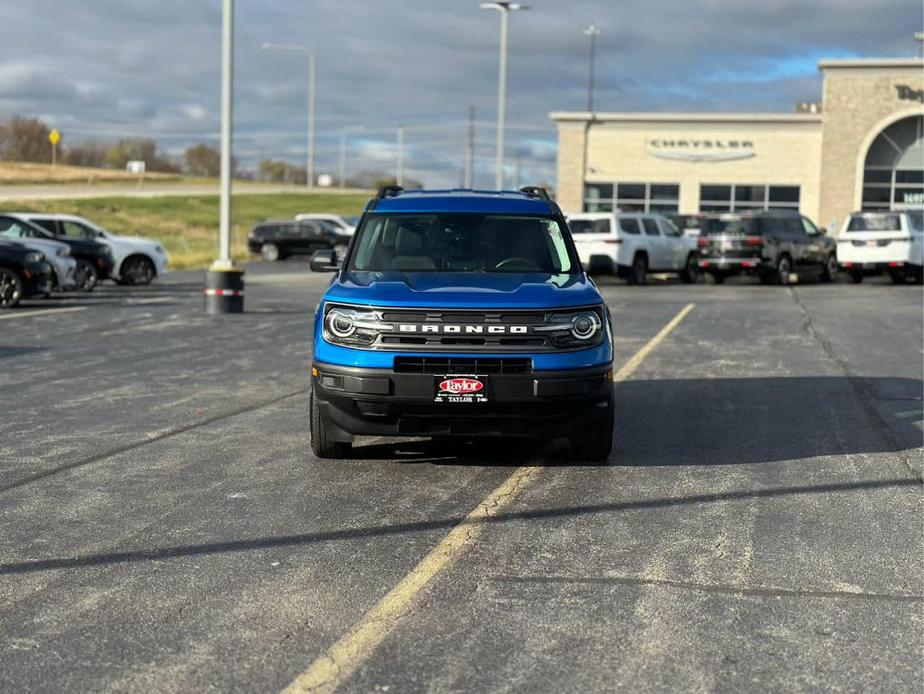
461, 389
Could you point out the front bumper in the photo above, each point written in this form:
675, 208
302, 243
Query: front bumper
383, 402
37, 279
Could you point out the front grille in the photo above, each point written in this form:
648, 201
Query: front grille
440, 366
497, 330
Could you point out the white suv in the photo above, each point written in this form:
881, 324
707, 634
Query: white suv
871, 243
632, 244
137, 260
347, 225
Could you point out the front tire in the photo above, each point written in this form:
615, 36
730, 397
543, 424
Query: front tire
718, 277
829, 272
856, 277
595, 443
11, 288
897, 276
270, 252
137, 270
86, 276
322, 445
638, 274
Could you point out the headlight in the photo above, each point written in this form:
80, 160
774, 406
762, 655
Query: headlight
353, 327
63, 252
34, 257
578, 329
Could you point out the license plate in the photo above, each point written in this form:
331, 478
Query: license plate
461, 389
726, 245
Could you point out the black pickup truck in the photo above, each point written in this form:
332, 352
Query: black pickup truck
771, 245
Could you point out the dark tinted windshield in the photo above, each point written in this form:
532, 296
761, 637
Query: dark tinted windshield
461, 243
874, 222
713, 227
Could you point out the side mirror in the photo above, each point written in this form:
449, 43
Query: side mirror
823, 231
324, 261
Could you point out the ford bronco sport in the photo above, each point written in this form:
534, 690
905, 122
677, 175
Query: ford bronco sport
465, 314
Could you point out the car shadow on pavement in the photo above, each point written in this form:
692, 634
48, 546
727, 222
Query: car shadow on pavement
203, 549
488, 452
730, 421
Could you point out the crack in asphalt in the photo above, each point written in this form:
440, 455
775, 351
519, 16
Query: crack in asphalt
153, 439
860, 385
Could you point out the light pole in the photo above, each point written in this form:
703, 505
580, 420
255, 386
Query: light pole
309, 164
593, 32
505, 8
224, 287
343, 134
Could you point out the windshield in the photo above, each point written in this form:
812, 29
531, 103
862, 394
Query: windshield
874, 222
461, 243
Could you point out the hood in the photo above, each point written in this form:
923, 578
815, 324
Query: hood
464, 290
46, 246
138, 240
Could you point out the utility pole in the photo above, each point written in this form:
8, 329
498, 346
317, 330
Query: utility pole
919, 37
312, 79
593, 32
469, 177
399, 161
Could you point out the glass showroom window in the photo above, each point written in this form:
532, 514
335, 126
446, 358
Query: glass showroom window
743, 197
632, 197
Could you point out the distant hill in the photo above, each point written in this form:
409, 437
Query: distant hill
13, 172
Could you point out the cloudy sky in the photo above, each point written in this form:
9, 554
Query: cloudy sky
101, 69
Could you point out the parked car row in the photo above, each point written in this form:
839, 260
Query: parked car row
307, 233
772, 245
73, 253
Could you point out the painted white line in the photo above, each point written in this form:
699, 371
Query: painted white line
41, 312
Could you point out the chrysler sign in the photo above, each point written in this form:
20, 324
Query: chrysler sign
700, 149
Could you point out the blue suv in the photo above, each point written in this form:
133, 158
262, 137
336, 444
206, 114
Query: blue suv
461, 313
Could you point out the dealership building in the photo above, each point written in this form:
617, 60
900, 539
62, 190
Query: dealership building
862, 147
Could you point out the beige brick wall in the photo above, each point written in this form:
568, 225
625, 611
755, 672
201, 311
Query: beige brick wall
859, 102
570, 163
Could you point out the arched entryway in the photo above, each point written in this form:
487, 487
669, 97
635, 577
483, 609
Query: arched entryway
893, 172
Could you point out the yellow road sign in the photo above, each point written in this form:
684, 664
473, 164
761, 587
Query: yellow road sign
54, 136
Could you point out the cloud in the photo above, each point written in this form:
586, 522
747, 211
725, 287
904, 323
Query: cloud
127, 67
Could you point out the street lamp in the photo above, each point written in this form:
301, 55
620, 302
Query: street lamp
343, 133
505, 8
593, 32
399, 159
309, 165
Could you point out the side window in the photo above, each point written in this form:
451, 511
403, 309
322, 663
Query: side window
668, 228
628, 226
13, 228
772, 226
49, 224
651, 227
809, 227
794, 227
73, 230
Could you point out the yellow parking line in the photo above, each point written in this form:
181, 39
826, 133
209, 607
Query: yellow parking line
333, 667
41, 312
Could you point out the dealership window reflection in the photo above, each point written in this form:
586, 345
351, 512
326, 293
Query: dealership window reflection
632, 197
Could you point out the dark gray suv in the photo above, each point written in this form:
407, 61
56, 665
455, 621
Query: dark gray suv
772, 245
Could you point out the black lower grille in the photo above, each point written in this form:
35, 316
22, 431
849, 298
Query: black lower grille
460, 365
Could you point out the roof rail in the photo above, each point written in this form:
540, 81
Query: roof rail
536, 192
388, 192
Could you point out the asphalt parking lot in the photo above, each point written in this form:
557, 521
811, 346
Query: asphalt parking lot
758, 526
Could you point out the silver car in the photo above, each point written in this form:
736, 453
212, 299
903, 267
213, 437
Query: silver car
56, 253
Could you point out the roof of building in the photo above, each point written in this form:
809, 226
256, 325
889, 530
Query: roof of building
463, 200
873, 63
584, 116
